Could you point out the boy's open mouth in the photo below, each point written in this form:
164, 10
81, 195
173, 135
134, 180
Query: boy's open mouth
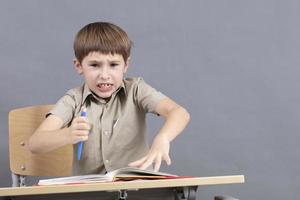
103, 87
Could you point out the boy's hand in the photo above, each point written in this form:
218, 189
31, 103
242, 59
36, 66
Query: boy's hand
159, 151
79, 130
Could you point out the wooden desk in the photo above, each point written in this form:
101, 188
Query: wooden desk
185, 188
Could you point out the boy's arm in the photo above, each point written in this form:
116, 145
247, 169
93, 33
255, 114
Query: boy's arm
176, 119
50, 135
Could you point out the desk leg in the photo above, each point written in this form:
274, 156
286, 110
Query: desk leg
18, 180
123, 195
186, 193
22, 181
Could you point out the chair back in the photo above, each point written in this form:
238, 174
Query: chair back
22, 123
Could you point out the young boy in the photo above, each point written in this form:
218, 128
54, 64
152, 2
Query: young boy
114, 129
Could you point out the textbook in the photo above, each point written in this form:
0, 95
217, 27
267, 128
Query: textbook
122, 174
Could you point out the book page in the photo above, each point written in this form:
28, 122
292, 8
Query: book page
92, 178
127, 173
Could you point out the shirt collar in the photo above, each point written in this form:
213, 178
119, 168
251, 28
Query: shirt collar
87, 92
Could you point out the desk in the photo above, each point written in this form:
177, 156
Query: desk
184, 188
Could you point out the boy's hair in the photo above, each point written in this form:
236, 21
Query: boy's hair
101, 37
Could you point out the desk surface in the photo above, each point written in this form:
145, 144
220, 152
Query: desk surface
111, 186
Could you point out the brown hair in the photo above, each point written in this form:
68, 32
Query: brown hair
101, 37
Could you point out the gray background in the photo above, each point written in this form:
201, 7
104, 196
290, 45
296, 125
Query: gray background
233, 64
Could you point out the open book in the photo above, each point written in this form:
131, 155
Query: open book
122, 174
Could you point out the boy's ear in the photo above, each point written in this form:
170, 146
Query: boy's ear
127, 64
77, 66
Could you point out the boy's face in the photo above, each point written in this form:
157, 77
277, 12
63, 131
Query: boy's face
103, 73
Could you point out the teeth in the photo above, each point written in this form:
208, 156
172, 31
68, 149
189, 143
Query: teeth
104, 84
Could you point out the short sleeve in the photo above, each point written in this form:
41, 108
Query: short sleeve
64, 109
147, 97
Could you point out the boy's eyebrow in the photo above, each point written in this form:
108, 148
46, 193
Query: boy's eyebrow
94, 61
114, 61
98, 61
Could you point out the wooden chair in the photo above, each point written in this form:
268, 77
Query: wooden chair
22, 123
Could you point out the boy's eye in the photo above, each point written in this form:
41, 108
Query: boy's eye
94, 65
114, 64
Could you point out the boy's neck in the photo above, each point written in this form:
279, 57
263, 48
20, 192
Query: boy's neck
104, 100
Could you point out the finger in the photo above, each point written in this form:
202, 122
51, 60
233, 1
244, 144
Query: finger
157, 164
167, 159
81, 133
82, 126
84, 138
80, 139
137, 163
148, 162
81, 119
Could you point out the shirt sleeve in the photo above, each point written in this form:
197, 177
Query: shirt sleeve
64, 109
147, 97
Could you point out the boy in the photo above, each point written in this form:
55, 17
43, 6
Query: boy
114, 129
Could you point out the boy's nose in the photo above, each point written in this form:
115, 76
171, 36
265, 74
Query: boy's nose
104, 74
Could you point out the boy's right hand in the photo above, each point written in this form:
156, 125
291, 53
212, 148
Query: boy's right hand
79, 130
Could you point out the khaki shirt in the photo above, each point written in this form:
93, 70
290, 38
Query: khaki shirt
118, 134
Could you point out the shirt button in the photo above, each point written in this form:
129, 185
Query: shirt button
106, 161
106, 133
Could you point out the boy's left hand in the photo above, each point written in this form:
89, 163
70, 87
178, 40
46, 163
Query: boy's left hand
159, 151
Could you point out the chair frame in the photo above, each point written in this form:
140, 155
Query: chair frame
22, 123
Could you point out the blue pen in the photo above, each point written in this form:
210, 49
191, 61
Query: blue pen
80, 144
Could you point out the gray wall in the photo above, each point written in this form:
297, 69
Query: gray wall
233, 64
